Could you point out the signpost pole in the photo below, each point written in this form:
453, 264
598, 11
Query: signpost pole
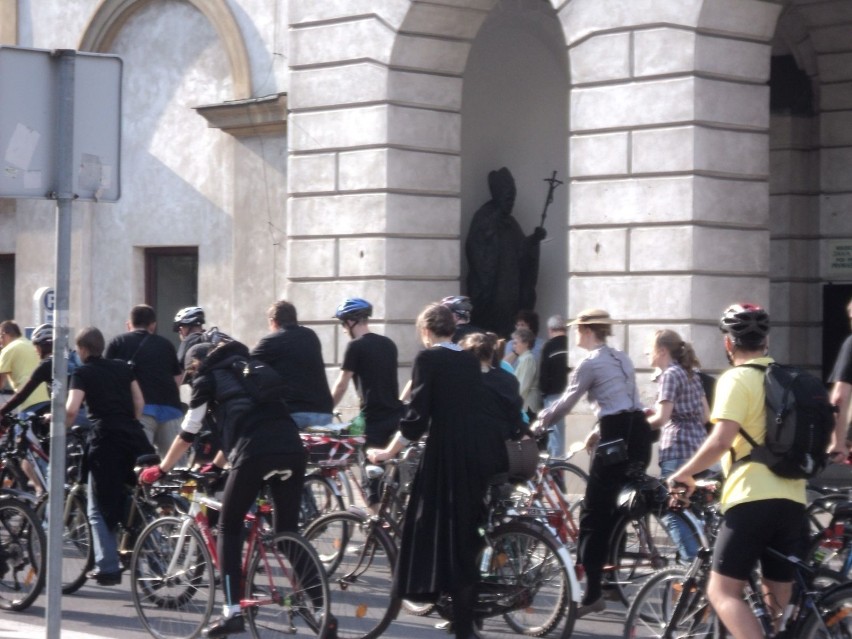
65, 59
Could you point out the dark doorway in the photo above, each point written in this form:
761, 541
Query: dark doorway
835, 323
171, 283
7, 287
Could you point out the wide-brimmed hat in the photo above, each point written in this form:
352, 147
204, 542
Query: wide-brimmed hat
592, 316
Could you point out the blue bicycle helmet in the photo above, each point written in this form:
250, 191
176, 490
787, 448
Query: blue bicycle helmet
354, 308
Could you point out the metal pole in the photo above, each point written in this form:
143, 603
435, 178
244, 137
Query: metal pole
65, 60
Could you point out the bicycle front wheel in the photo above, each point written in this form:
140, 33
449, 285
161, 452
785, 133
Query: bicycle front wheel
172, 579
286, 589
359, 559
670, 605
833, 617
22, 555
78, 555
570, 480
319, 496
522, 562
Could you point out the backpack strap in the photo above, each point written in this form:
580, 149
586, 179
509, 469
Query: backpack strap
746, 436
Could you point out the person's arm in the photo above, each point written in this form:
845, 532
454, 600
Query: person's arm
525, 372
718, 442
341, 385
3, 378
841, 393
138, 400
376, 455
579, 384
20, 397
72, 405
662, 413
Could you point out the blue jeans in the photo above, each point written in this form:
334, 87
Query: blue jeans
556, 437
104, 542
679, 531
303, 420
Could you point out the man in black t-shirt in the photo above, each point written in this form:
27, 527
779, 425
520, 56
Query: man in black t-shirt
155, 365
841, 377
295, 353
553, 377
370, 361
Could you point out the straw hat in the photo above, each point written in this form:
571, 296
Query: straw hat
592, 316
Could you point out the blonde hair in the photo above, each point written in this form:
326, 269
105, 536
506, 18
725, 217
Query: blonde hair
680, 351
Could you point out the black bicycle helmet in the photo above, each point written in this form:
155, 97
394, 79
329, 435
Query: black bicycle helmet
458, 304
745, 323
42, 335
189, 316
354, 308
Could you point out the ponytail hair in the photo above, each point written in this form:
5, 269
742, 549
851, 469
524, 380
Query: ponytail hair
680, 351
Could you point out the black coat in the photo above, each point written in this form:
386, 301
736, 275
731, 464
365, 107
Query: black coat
440, 539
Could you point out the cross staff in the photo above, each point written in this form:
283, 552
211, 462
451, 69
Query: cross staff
554, 183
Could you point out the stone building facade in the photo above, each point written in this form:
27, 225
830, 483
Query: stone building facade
318, 150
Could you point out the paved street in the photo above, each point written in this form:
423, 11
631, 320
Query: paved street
97, 611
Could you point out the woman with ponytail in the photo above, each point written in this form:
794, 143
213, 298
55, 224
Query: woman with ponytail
681, 411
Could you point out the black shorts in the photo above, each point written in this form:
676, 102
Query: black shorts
748, 529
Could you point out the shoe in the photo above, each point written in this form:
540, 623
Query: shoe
223, 627
105, 578
598, 605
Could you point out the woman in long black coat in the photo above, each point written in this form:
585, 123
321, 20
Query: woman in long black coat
440, 538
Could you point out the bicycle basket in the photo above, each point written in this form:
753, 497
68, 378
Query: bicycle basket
523, 458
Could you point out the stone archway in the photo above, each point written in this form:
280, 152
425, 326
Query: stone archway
111, 15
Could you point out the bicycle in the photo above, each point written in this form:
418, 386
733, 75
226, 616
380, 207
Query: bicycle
23, 550
673, 603
173, 573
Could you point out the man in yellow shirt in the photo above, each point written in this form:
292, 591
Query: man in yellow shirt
18, 359
762, 510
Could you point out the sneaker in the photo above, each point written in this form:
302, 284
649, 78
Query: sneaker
223, 627
105, 578
598, 605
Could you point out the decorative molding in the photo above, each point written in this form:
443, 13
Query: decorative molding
111, 16
242, 118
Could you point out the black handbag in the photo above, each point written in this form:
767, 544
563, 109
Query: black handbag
523, 458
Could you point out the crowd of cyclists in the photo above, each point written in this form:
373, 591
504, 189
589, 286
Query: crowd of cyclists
470, 392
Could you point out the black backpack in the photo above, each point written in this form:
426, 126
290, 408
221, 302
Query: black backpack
262, 382
799, 423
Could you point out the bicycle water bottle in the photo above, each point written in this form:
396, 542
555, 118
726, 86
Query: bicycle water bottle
357, 425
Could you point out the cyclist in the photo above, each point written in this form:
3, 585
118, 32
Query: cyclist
18, 359
115, 402
607, 376
189, 324
261, 443
440, 537
461, 307
761, 509
42, 339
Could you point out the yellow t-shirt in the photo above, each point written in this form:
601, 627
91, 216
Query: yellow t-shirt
740, 398
18, 359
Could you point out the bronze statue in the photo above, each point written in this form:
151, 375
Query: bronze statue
502, 261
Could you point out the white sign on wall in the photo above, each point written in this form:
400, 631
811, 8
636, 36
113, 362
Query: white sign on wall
839, 257
44, 305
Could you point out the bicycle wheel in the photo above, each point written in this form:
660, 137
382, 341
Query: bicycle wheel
570, 480
78, 555
319, 496
286, 589
833, 621
670, 605
522, 567
23, 549
359, 559
172, 579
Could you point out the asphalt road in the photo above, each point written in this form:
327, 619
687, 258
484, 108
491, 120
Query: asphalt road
97, 611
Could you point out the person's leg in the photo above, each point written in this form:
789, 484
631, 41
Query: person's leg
103, 540
150, 426
164, 435
679, 531
726, 597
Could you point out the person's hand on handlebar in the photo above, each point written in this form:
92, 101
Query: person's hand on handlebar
378, 455
681, 488
592, 440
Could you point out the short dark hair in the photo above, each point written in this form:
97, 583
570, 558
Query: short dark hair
283, 313
92, 340
142, 316
529, 317
437, 318
9, 327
